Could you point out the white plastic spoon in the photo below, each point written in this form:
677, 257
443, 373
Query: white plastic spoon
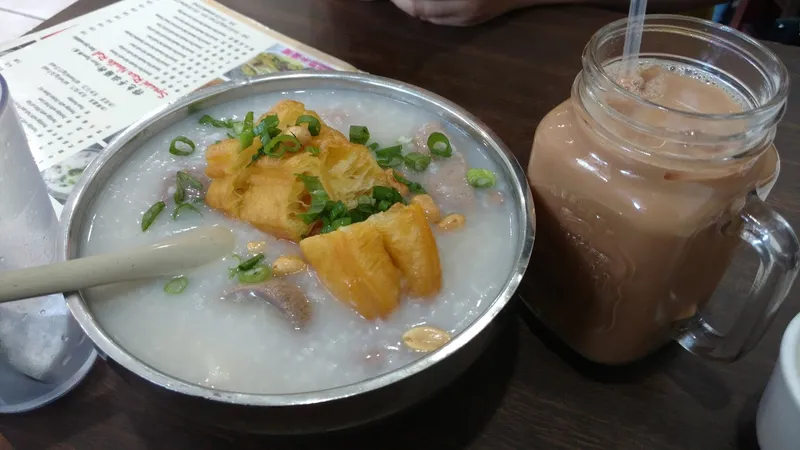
171, 256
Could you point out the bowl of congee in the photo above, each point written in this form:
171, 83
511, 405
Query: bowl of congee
379, 229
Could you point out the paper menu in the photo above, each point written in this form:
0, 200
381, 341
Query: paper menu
76, 89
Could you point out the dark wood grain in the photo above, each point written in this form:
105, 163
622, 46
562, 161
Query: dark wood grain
526, 391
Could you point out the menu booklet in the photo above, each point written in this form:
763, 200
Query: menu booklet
78, 84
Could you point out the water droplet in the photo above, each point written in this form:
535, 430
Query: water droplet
42, 311
64, 338
2, 259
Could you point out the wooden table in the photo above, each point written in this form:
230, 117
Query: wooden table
524, 392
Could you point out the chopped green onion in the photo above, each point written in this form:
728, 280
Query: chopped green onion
319, 198
267, 128
237, 127
250, 263
337, 210
313, 150
257, 274
246, 135
176, 285
313, 124
333, 225
481, 178
173, 146
150, 215
277, 147
268, 123
246, 139
183, 206
439, 145
185, 181
391, 195
341, 222
335, 214
417, 161
232, 271
216, 123
374, 146
359, 134
364, 209
412, 186
389, 156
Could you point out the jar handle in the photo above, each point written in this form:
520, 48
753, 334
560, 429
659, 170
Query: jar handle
776, 244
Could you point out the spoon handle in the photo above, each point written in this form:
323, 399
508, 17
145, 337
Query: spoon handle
171, 256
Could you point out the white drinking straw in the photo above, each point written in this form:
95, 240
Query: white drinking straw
633, 37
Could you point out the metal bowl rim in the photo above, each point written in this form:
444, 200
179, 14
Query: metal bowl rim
77, 204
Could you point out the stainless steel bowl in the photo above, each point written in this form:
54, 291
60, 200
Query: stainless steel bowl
310, 411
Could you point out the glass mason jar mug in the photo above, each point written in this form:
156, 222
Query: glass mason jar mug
646, 181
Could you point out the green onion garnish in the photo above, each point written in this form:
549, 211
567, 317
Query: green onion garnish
277, 147
387, 194
247, 123
247, 135
267, 123
250, 263
150, 215
417, 161
183, 206
216, 123
389, 156
313, 124
185, 181
173, 146
232, 271
176, 285
374, 146
329, 225
364, 209
313, 150
337, 210
439, 145
384, 205
481, 178
335, 214
319, 198
359, 134
246, 139
267, 128
257, 274
237, 127
412, 186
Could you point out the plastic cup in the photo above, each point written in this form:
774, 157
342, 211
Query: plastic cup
43, 351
